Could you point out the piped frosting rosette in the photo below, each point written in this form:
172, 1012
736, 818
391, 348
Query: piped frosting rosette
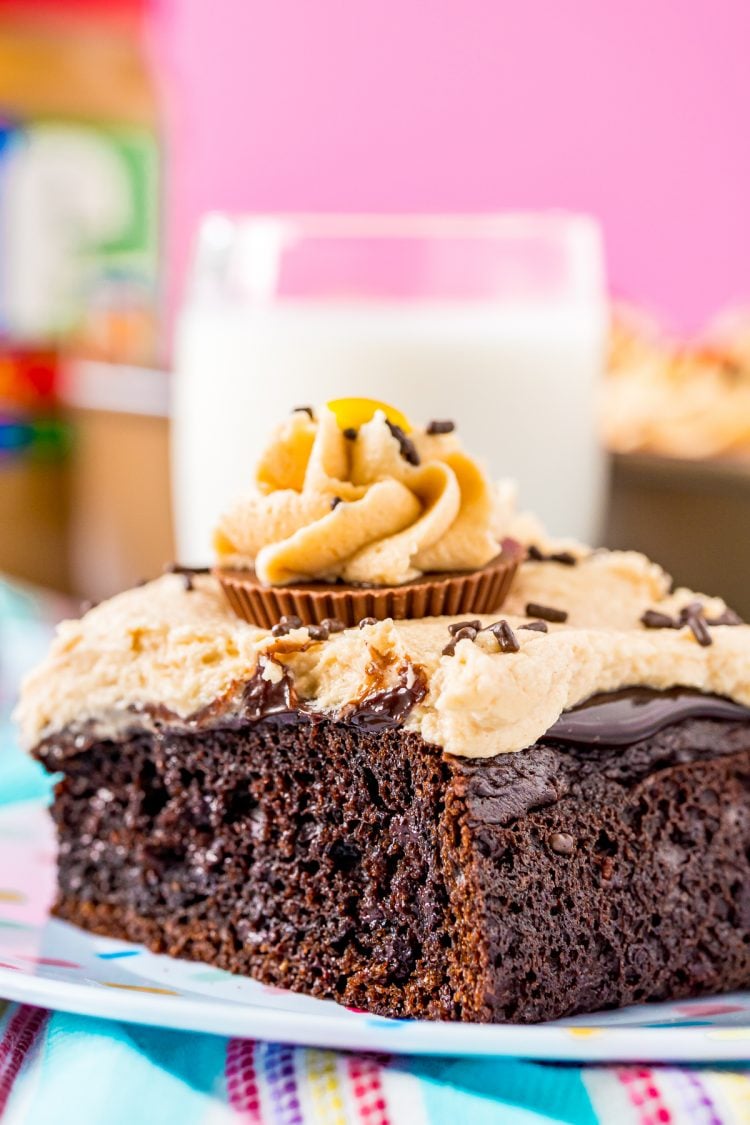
352, 496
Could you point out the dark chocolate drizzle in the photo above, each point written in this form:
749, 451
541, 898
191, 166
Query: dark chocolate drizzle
263, 699
620, 718
384, 710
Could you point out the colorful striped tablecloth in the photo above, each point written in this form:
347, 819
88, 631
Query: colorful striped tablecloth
57, 1068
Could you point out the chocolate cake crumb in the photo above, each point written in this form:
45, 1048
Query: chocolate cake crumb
546, 613
446, 427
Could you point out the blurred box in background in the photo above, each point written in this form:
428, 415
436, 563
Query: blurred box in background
80, 278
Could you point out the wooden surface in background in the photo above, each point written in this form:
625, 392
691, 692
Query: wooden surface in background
691, 516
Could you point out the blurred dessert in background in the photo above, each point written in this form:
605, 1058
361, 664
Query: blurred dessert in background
678, 399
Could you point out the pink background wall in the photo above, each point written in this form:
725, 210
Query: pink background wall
636, 110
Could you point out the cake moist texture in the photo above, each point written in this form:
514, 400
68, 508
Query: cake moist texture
489, 819
366, 866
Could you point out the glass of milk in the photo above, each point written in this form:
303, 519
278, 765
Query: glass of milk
495, 322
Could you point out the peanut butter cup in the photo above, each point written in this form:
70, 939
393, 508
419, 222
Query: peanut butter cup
433, 595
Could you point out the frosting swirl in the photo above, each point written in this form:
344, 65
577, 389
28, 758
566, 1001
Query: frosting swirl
368, 507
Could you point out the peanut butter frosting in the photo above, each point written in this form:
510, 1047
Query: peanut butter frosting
178, 654
369, 506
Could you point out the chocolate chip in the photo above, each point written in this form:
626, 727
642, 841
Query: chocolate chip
450, 649
304, 410
652, 619
406, 445
467, 633
537, 626
350, 433
335, 501
333, 625
546, 612
699, 629
454, 628
535, 554
562, 843
728, 617
317, 632
440, 428
291, 621
279, 630
504, 635
368, 621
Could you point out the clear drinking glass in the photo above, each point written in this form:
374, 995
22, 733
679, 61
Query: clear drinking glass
497, 322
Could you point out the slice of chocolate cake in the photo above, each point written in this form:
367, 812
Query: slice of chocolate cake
511, 818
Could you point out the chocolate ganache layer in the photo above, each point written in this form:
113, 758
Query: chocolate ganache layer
620, 718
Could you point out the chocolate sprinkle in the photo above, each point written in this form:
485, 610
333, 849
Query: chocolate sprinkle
728, 617
406, 445
468, 633
546, 613
476, 625
335, 501
692, 609
350, 433
504, 635
317, 632
566, 558
699, 629
562, 843
286, 624
304, 410
537, 626
652, 619
187, 573
333, 625
440, 428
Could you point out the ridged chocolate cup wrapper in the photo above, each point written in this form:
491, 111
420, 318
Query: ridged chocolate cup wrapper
433, 595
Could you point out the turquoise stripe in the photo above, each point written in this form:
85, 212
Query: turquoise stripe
94, 1071
485, 1091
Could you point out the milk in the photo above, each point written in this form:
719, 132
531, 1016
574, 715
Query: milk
518, 378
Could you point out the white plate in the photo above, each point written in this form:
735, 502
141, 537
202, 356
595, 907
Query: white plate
55, 965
